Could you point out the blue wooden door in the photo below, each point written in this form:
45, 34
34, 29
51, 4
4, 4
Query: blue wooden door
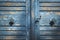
14, 19
45, 12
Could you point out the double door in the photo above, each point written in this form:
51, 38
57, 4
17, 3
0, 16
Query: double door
29, 19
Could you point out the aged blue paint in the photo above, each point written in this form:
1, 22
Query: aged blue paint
48, 10
24, 14
19, 11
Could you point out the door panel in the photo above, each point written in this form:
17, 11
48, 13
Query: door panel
45, 11
17, 13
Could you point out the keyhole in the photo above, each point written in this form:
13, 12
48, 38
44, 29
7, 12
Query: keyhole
51, 23
11, 23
